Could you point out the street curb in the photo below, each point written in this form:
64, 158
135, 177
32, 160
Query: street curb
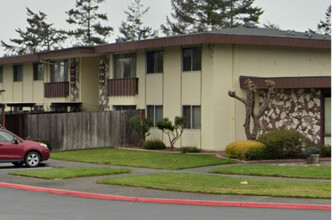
167, 201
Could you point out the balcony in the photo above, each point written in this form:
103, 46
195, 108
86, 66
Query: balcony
56, 90
123, 87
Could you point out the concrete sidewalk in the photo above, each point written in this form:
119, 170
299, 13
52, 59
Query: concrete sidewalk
88, 185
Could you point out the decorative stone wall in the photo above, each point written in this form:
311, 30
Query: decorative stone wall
293, 109
104, 73
74, 79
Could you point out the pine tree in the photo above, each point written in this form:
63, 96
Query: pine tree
325, 26
90, 31
207, 15
133, 28
38, 36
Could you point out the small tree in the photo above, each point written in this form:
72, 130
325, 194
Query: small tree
249, 103
141, 126
173, 132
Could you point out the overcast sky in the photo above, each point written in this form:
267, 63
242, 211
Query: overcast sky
296, 15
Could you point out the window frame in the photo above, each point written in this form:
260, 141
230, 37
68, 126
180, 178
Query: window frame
37, 75
152, 66
18, 73
192, 124
193, 57
65, 74
130, 107
133, 65
154, 118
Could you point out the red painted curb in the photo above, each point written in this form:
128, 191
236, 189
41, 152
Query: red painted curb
167, 201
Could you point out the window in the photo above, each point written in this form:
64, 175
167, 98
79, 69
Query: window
59, 71
191, 59
124, 66
154, 62
6, 137
38, 71
154, 113
327, 118
18, 73
1, 74
192, 116
124, 107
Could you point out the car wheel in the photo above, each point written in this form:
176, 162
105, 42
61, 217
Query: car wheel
32, 159
18, 164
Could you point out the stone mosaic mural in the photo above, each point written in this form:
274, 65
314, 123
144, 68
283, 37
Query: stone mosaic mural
104, 67
294, 109
74, 79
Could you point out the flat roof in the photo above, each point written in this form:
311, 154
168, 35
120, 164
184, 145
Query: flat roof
237, 36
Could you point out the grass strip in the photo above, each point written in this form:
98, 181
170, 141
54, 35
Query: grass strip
132, 158
309, 172
67, 173
200, 183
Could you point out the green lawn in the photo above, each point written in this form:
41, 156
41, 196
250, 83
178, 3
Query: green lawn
67, 173
310, 172
131, 158
199, 183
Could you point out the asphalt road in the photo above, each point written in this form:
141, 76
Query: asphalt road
18, 204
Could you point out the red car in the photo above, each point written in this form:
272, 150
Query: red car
15, 150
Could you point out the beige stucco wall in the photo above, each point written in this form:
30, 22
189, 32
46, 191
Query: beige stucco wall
89, 83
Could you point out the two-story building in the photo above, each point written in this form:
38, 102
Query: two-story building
188, 75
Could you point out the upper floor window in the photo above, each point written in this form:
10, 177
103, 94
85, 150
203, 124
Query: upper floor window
59, 71
38, 71
125, 66
154, 113
1, 74
18, 73
191, 59
154, 62
192, 116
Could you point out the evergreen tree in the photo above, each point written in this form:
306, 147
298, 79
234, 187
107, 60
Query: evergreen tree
207, 15
90, 31
325, 26
133, 28
270, 25
38, 36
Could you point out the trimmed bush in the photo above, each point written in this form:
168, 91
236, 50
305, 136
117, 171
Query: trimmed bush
154, 145
311, 150
190, 150
284, 144
325, 150
245, 150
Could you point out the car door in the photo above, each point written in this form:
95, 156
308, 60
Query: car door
9, 149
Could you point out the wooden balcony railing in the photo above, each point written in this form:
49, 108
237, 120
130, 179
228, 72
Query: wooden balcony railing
123, 87
57, 89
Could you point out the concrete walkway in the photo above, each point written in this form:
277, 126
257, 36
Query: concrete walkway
88, 185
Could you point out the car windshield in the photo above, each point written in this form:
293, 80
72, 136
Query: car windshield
6, 137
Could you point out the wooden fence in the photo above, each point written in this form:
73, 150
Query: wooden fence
83, 130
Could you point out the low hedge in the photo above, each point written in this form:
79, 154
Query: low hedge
153, 145
284, 144
246, 150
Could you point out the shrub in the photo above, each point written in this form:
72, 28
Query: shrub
141, 126
325, 150
311, 150
245, 150
44, 141
284, 144
190, 150
154, 145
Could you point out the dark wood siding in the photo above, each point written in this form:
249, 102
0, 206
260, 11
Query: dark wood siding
59, 89
123, 87
290, 82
